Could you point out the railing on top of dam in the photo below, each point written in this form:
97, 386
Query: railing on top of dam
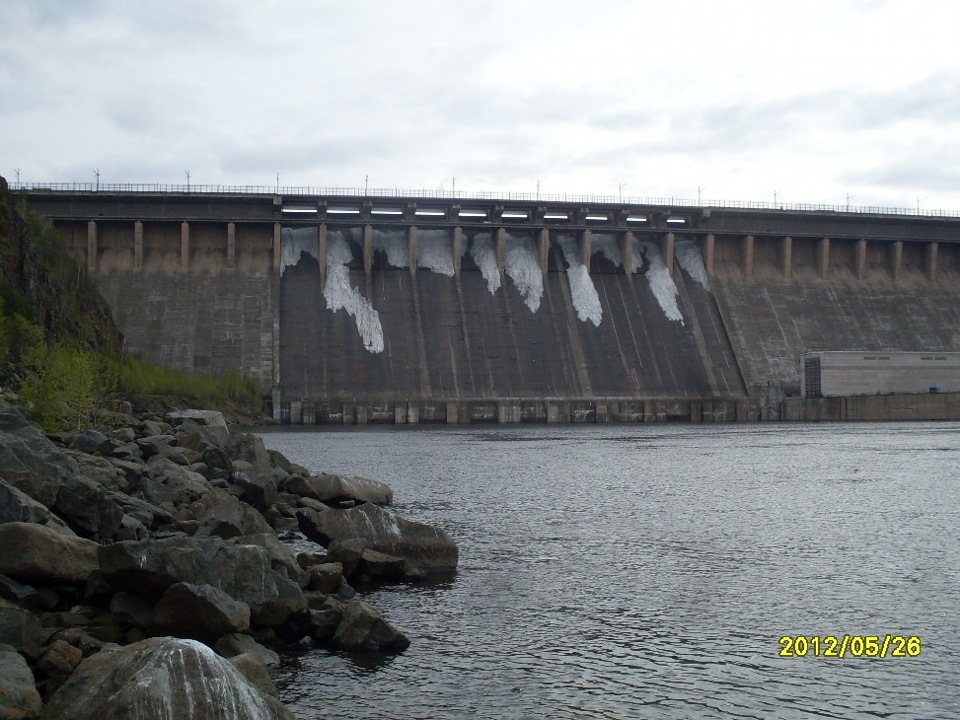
306, 190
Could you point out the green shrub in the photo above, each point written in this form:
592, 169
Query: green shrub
64, 386
139, 378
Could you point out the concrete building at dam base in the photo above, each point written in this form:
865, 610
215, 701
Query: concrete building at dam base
402, 308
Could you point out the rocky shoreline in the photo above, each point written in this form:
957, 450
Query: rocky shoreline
143, 571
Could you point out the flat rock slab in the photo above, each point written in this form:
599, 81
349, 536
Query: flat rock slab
45, 556
423, 547
330, 488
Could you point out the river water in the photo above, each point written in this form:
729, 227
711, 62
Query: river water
636, 571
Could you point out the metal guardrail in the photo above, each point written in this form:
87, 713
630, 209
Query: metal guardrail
481, 195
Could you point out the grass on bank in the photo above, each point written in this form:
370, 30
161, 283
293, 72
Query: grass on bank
63, 387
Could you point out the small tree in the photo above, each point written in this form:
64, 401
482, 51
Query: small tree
61, 387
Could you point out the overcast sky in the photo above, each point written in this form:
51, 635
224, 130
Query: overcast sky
815, 100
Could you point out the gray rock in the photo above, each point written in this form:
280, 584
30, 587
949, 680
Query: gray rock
329, 488
17, 506
19, 698
249, 448
243, 572
201, 612
326, 577
254, 670
29, 461
148, 428
424, 547
256, 489
363, 628
132, 609
204, 418
159, 679
125, 434
26, 596
100, 470
87, 509
57, 662
45, 556
20, 629
88, 441
325, 620
239, 644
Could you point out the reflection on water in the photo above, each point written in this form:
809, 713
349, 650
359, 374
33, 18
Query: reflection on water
625, 572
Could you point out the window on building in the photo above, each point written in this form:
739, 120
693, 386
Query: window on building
811, 375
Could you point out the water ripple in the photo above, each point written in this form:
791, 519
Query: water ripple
613, 572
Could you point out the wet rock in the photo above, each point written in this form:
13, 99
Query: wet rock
161, 678
424, 547
19, 697
201, 612
329, 488
363, 628
44, 555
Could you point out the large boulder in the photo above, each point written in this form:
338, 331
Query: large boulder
363, 629
197, 418
199, 611
44, 555
330, 488
159, 679
21, 629
29, 461
425, 548
250, 448
41, 470
18, 690
17, 506
244, 572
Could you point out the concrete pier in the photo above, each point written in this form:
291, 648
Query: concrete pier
184, 246
231, 245
823, 258
138, 245
786, 257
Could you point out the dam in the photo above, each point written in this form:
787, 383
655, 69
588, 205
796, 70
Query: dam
353, 307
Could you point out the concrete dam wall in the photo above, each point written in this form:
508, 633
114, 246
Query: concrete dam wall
487, 333
651, 314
